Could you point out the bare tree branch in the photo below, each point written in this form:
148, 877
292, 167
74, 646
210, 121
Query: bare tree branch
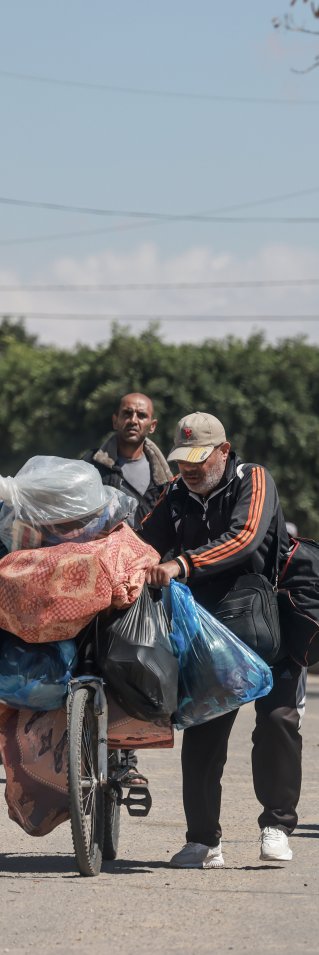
287, 22
299, 29
313, 66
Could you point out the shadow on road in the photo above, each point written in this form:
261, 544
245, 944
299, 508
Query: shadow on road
311, 831
264, 867
41, 865
132, 866
308, 825
64, 865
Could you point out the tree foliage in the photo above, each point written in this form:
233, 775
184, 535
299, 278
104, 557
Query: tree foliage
61, 402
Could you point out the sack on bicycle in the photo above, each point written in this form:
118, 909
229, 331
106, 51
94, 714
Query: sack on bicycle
135, 656
35, 676
34, 753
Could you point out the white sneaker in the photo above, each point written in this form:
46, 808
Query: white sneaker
274, 845
194, 855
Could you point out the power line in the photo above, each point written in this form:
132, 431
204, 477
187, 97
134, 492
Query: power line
158, 316
166, 93
161, 286
123, 227
160, 216
29, 240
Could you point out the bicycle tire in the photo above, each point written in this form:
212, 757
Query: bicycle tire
112, 811
86, 796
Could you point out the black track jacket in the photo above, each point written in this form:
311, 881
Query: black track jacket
237, 529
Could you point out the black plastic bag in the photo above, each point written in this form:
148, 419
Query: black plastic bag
135, 656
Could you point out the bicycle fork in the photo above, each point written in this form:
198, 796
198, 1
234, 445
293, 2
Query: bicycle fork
101, 712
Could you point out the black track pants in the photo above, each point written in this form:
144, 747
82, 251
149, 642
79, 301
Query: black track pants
277, 746
276, 760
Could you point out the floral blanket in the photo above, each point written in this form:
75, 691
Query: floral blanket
52, 593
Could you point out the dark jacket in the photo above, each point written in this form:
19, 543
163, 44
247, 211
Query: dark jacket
235, 529
3, 549
104, 459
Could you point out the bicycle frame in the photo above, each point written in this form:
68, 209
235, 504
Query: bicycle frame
138, 801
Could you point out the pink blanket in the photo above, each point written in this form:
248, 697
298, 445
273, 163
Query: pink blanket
51, 593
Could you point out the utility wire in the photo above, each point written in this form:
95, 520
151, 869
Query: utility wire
166, 94
123, 227
161, 286
158, 316
30, 240
160, 216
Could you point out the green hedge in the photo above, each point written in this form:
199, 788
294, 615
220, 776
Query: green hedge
55, 401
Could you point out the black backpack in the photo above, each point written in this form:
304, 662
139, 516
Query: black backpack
298, 601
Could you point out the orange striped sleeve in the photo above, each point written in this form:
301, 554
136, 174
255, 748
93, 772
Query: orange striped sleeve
232, 547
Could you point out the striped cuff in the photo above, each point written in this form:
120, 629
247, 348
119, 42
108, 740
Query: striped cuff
183, 568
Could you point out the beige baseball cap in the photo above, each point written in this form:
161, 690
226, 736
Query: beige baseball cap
196, 436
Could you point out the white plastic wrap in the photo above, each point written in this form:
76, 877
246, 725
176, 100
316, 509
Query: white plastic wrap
52, 500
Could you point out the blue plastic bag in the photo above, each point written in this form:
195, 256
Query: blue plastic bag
35, 675
217, 672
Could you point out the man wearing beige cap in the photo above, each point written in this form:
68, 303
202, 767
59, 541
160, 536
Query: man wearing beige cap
219, 518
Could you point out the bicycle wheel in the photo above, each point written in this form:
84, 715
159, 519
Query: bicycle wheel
86, 796
112, 811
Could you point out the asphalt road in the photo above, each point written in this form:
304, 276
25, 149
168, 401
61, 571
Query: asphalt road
139, 905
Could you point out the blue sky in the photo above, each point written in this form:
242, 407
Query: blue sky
246, 131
